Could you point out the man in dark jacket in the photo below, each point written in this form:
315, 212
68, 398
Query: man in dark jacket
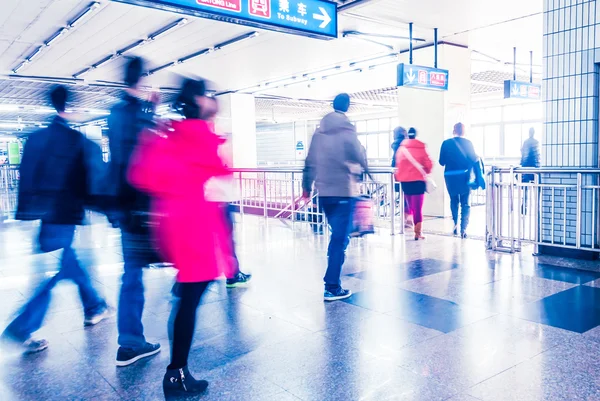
334, 162
458, 156
530, 154
60, 171
130, 211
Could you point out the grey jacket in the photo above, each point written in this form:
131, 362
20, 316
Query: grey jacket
334, 156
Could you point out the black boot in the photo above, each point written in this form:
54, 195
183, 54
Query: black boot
181, 382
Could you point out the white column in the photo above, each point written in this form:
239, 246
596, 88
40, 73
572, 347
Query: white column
237, 116
434, 113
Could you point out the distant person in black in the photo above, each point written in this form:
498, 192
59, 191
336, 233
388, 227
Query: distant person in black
530, 157
530, 154
458, 156
61, 175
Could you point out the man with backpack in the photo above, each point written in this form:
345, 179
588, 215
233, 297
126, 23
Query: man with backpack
458, 156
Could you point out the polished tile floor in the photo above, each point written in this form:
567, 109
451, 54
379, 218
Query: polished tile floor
434, 320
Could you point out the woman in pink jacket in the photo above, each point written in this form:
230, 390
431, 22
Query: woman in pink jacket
190, 231
413, 165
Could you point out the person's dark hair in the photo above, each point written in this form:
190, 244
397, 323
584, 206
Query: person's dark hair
186, 101
459, 129
133, 71
341, 102
399, 133
412, 133
58, 97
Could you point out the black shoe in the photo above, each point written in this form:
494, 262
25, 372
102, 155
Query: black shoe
181, 382
463, 235
127, 356
239, 280
455, 232
336, 295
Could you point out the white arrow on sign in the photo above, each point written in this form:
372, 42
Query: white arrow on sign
324, 17
515, 89
410, 76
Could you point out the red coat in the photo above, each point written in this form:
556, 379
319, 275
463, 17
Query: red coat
190, 232
405, 170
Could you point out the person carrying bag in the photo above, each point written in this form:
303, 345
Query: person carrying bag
413, 167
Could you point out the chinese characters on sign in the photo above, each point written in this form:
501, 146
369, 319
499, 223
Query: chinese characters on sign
312, 18
522, 90
232, 5
260, 8
422, 77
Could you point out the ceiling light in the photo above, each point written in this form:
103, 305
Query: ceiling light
166, 29
17, 68
80, 73
336, 68
162, 67
385, 58
85, 12
237, 39
342, 73
9, 107
131, 47
281, 81
103, 61
56, 35
194, 55
33, 55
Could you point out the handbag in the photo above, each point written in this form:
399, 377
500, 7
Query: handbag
363, 217
430, 184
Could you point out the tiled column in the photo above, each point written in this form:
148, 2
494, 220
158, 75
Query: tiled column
570, 90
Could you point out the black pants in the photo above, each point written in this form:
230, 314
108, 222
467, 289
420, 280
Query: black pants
185, 322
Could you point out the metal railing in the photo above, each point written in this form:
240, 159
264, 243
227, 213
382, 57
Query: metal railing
277, 193
545, 207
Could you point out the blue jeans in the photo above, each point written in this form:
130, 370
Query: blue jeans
462, 201
229, 221
52, 238
136, 256
339, 213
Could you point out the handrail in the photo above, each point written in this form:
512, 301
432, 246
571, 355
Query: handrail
378, 170
546, 170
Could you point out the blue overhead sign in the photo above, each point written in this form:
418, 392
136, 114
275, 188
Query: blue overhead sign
416, 76
313, 18
522, 90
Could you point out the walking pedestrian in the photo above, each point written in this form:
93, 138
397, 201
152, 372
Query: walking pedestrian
458, 156
190, 231
222, 190
127, 121
334, 164
60, 173
400, 135
413, 165
530, 157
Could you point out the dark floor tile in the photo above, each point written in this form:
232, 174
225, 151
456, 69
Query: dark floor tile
421, 309
560, 273
576, 309
406, 271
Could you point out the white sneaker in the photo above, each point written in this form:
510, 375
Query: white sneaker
33, 346
106, 313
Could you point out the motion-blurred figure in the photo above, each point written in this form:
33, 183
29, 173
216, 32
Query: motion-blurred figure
222, 190
334, 163
530, 157
458, 156
413, 166
190, 230
400, 135
131, 208
60, 172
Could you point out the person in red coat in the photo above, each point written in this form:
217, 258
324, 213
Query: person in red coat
190, 232
413, 165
